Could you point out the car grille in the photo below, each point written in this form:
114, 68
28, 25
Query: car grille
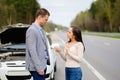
15, 65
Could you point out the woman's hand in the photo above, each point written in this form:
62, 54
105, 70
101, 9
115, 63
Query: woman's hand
57, 49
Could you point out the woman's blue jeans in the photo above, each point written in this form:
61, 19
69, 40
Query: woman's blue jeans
73, 73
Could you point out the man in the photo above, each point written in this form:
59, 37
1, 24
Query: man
36, 46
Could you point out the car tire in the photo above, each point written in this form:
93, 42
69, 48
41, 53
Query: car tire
53, 77
55, 68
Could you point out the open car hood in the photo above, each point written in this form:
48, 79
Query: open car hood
13, 35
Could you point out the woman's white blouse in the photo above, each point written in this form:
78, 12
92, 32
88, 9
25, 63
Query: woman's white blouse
74, 56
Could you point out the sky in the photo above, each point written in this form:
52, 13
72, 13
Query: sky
62, 12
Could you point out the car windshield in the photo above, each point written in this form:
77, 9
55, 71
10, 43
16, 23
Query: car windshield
12, 52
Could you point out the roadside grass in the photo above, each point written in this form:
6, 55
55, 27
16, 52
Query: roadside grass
110, 35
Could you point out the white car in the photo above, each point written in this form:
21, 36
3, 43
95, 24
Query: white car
12, 56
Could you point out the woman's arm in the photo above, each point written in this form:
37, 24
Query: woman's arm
77, 55
62, 53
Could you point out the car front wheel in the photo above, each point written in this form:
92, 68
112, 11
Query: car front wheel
52, 76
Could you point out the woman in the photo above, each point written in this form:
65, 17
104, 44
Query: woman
73, 54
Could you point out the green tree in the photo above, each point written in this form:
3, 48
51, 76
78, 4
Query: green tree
25, 9
2, 13
117, 16
109, 11
17, 11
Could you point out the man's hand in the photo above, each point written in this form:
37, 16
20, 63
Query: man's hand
41, 72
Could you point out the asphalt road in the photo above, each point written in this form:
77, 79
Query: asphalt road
102, 56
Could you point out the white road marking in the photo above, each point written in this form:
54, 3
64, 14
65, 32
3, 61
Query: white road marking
106, 43
95, 72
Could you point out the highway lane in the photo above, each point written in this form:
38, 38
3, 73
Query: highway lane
102, 53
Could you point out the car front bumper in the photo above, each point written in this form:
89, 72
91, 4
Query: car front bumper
18, 75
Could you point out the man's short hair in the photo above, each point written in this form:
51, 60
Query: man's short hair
42, 12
